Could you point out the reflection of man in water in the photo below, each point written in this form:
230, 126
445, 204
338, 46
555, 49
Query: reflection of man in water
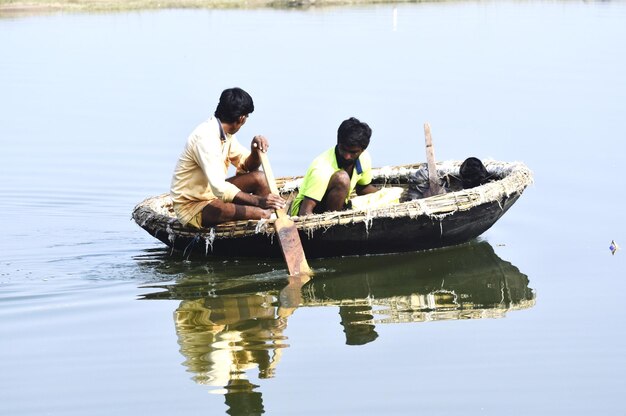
222, 337
357, 332
225, 336
242, 400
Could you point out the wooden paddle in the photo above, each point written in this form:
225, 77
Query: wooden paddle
433, 177
286, 229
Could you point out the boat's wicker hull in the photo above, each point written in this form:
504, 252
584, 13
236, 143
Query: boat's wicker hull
421, 224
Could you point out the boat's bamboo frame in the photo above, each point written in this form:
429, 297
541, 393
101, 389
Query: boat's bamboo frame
157, 212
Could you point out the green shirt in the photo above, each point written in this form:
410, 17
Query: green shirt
322, 168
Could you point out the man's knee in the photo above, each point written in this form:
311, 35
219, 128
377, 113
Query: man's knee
339, 180
250, 176
258, 177
214, 212
251, 182
261, 187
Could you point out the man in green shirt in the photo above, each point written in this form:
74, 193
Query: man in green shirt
335, 174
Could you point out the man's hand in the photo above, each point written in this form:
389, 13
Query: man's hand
259, 143
271, 201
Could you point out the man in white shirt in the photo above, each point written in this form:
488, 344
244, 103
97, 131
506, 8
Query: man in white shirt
201, 193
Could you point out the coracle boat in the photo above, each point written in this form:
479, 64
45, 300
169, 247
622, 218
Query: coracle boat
454, 217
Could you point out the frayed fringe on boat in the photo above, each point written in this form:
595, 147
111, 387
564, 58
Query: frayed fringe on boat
157, 212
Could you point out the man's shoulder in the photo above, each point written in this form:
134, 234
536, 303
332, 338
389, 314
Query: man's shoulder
324, 161
209, 126
206, 130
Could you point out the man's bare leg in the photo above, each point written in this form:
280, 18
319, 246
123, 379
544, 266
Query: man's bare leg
251, 183
218, 211
336, 193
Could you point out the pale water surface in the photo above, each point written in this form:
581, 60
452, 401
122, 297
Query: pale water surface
97, 318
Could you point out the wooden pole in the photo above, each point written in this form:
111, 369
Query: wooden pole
433, 176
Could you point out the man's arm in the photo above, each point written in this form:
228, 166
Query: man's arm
207, 153
365, 189
307, 206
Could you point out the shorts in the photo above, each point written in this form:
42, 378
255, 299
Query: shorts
182, 210
195, 221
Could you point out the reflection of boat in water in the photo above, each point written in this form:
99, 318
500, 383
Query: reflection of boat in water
458, 283
461, 282
465, 282
228, 328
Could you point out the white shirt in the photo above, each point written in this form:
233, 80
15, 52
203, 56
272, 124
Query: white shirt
200, 174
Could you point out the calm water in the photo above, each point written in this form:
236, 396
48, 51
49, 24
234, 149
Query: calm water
97, 318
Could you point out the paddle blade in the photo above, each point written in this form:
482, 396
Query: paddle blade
286, 229
291, 245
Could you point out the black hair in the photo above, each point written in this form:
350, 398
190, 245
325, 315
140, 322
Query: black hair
473, 173
234, 103
352, 132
